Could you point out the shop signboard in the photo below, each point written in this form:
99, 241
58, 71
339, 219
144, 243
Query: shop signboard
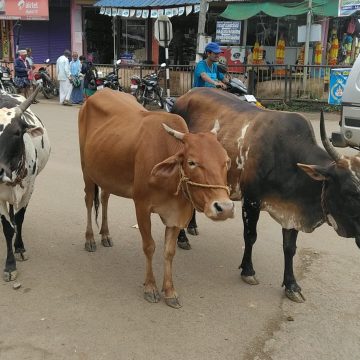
24, 9
338, 78
233, 57
228, 32
348, 7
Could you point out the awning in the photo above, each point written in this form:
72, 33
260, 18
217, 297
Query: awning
243, 11
144, 4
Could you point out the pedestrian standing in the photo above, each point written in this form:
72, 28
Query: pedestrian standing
22, 68
31, 78
75, 71
90, 75
64, 78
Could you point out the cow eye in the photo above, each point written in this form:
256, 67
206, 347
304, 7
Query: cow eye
17, 133
191, 163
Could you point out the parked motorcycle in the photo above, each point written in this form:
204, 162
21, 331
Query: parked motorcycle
111, 80
6, 82
42, 76
147, 89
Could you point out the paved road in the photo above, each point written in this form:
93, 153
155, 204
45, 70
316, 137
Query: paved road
77, 305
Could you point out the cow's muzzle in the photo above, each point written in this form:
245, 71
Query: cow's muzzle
220, 210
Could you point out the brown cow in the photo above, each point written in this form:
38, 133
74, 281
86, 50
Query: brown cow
126, 151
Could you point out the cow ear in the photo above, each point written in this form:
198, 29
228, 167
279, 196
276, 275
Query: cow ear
315, 172
35, 131
168, 167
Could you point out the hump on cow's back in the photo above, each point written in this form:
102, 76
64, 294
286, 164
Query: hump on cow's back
114, 99
158, 118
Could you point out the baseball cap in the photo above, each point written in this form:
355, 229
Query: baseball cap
213, 47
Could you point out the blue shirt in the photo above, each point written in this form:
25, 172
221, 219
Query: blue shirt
21, 67
75, 67
212, 72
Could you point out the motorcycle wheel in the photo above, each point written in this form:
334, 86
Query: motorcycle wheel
10, 88
48, 90
160, 101
139, 95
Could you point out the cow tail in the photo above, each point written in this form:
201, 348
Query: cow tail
96, 203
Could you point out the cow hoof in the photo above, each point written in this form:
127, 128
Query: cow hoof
152, 296
251, 280
91, 247
173, 302
185, 245
10, 275
107, 242
21, 256
193, 231
295, 296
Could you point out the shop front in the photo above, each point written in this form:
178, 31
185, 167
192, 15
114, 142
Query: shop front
268, 22
45, 28
129, 31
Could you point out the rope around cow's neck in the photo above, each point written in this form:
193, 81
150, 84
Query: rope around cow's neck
184, 179
20, 174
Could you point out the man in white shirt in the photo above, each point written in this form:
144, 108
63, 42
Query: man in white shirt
64, 77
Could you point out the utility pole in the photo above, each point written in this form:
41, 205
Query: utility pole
307, 42
201, 27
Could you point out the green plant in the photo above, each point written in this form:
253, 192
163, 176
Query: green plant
303, 106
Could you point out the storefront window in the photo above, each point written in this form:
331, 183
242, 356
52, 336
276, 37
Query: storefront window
182, 49
132, 42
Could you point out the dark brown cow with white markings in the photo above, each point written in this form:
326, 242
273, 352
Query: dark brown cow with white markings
278, 167
126, 151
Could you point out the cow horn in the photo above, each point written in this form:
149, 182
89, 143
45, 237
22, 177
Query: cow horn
327, 145
216, 127
25, 104
176, 134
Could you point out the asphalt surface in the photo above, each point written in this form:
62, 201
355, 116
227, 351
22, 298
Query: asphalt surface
78, 305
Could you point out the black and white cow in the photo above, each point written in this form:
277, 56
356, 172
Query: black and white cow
24, 151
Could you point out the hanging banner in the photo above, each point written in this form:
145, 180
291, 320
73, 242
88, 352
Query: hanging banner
196, 8
338, 78
228, 32
168, 12
24, 9
348, 7
144, 13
